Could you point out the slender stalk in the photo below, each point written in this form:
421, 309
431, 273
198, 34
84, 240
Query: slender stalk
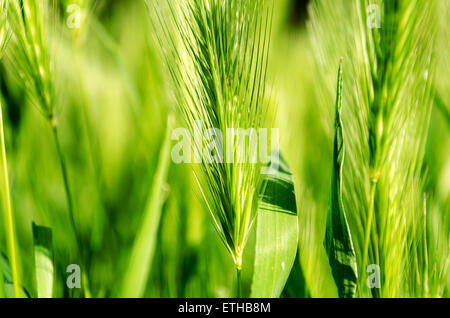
369, 223
239, 282
9, 217
65, 176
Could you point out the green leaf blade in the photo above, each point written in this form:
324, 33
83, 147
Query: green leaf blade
7, 280
277, 232
338, 242
43, 257
139, 265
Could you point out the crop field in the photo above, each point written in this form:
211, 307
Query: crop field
224, 149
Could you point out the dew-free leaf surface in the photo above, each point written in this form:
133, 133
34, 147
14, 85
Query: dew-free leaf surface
338, 241
276, 231
43, 258
136, 275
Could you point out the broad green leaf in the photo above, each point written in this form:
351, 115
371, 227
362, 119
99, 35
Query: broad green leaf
136, 275
43, 258
296, 285
338, 242
276, 231
6, 277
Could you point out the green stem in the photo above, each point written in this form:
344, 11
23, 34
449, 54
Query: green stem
239, 282
65, 175
65, 178
369, 223
9, 217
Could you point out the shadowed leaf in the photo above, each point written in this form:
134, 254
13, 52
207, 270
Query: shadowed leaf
277, 231
338, 242
7, 279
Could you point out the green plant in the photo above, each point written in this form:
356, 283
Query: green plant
338, 241
43, 258
33, 24
386, 112
276, 231
142, 254
5, 190
3, 29
217, 60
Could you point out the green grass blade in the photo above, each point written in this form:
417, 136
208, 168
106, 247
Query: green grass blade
276, 233
338, 242
43, 257
5, 194
8, 216
6, 274
443, 109
136, 275
2, 283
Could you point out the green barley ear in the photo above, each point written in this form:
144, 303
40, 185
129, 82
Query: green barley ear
338, 240
31, 23
43, 260
388, 56
31, 55
216, 52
